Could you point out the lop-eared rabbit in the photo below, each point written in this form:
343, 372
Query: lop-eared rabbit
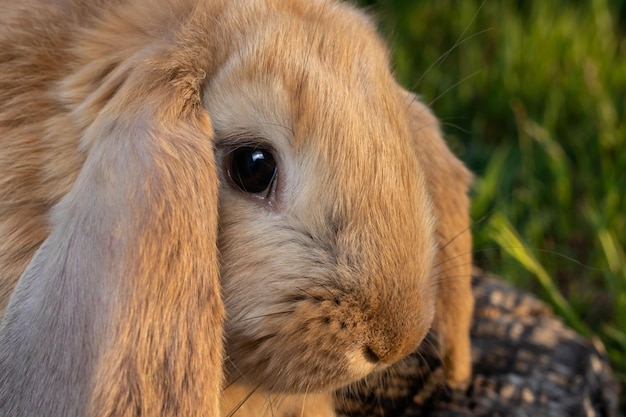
210, 205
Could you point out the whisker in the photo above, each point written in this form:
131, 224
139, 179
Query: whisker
332, 294
306, 392
453, 86
456, 126
460, 41
459, 234
451, 268
232, 382
467, 229
456, 257
442, 58
558, 254
241, 375
270, 404
243, 401
316, 298
426, 365
454, 284
541, 250
278, 313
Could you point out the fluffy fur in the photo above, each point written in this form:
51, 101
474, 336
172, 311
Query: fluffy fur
123, 240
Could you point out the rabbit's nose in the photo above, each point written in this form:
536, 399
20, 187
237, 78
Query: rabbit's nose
389, 352
396, 326
371, 356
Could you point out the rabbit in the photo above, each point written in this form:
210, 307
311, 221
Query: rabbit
216, 207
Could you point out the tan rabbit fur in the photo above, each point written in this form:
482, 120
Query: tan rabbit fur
125, 234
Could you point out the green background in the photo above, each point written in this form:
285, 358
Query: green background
532, 96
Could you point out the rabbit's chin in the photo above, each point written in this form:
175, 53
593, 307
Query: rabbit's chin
296, 376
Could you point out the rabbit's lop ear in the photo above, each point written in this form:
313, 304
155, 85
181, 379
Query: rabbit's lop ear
119, 312
448, 181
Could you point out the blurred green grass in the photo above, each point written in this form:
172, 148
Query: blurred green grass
532, 96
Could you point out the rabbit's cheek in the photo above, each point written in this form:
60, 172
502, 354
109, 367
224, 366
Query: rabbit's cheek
318, 338
317, 345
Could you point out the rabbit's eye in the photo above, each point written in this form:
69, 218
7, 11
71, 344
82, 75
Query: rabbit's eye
252, 169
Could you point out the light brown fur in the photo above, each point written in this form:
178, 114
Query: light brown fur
123, 239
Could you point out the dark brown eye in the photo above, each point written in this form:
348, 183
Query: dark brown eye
253, 170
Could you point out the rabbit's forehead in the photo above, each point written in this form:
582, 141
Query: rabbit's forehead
315, 56
321, 90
